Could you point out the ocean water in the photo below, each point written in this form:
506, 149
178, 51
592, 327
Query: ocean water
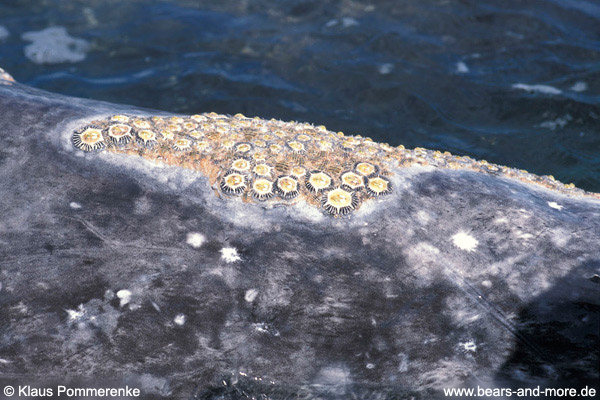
513, 82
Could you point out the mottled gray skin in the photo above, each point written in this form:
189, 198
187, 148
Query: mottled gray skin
382, 304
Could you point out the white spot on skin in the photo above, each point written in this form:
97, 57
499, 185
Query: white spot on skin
74, 205
468, 346
486, 284
423, 217
180, 319
461, 68
555, 205
464, 241
195, 239
230, 254
545, 89
251, 295
370, 366
125, 296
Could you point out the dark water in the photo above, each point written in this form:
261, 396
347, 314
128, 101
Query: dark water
437, 74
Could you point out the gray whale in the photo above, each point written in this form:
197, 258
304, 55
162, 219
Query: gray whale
118, 269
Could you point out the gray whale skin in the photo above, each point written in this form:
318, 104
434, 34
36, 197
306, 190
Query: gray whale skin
115, 270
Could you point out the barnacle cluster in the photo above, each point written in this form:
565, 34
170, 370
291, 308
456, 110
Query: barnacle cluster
274, 161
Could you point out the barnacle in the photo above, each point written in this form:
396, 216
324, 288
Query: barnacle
352, 181
262, 189
262, 169
298, 171
89, 138
167, 134
182, 144
365, 168
202, 146
243, 147
119, 133
146, 137
233, 183
141, 124
119, 118
195, 134
296, 146
378, 186
190, 126
240, 165
339, 201
286, 187
318, 181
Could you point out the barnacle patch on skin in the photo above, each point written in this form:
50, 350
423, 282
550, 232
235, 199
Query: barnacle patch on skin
233, 183
119, 133
262, 189
339, 201
239, 154
378, 186
89, 138
318, 181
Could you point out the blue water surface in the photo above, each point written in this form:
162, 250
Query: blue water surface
513, 82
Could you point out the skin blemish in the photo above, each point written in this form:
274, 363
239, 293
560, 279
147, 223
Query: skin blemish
195, 239
555, 205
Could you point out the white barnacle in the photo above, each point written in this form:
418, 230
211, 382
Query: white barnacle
230, 254
464, 241
180, 319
